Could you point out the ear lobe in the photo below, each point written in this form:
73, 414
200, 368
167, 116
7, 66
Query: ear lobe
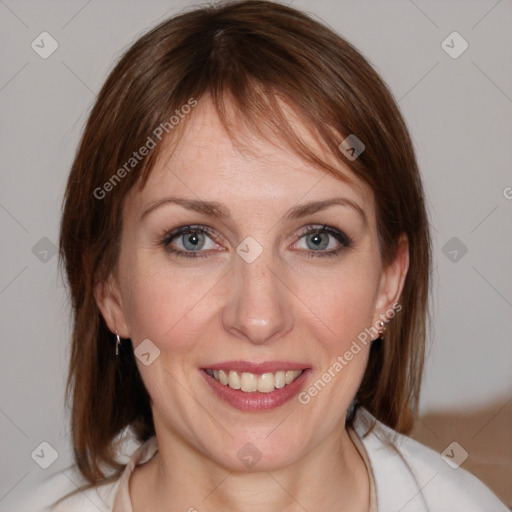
393, 277
108, 299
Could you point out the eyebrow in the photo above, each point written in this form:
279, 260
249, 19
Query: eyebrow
218, 210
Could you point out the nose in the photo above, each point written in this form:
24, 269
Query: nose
259, 308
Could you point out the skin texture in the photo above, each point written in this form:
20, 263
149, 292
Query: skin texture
282, 306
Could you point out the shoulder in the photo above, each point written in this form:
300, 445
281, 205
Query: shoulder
56, 494
62, 491
410, 476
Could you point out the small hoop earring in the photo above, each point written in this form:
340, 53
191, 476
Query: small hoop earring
118, 342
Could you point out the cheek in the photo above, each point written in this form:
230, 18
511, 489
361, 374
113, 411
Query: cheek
166, 307
343, 307
342, 303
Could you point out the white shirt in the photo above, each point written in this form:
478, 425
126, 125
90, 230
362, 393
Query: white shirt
405, 476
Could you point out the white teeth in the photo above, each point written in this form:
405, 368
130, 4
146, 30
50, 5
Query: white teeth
223, 378
280, 379
266, 383
234, 380
290, 375
250, 382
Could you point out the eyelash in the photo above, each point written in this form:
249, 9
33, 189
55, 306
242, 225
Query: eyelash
344, 240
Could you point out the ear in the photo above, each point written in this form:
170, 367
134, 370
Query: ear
392, 280
108, 299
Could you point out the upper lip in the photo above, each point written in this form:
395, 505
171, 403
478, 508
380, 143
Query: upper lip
253, 367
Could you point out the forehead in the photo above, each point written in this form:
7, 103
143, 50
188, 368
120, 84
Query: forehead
205, 163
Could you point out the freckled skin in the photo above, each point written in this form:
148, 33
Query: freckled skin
282, 306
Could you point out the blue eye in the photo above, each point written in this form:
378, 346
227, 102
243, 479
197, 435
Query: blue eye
192, 239
319, 238
320, 241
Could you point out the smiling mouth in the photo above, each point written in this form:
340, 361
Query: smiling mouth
250, 382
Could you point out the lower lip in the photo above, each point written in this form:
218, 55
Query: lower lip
256, 401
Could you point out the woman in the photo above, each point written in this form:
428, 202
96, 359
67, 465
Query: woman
248, 254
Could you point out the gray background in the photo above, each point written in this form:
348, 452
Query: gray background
459, 113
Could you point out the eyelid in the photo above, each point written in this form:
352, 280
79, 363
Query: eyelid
325, 228
186, 228
343, 240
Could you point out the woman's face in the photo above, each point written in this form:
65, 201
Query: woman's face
250, 292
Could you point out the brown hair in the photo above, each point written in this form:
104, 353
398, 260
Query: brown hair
252, 54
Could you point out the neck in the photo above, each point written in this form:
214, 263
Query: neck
333, 476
